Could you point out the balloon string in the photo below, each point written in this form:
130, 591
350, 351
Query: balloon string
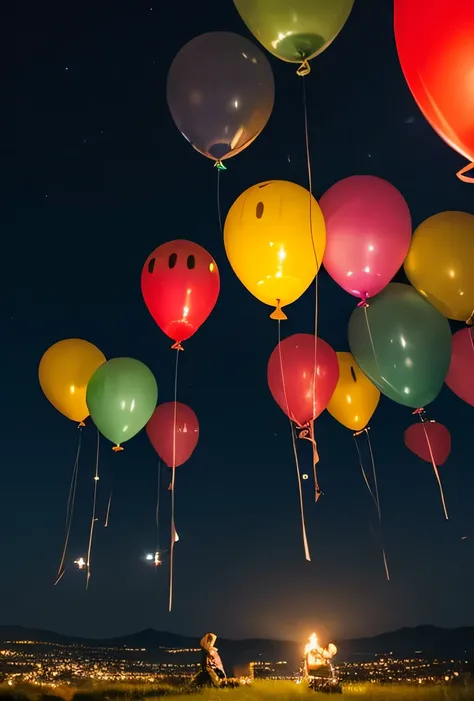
295, 453
466, 178
70, 507
307, 433
219, 214
374, 493
157, 512
315, 253
304, 69
106, 524
94, 504
364, 304
422, 415
471, 336
173, 478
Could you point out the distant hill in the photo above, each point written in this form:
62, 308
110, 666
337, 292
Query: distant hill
430, 640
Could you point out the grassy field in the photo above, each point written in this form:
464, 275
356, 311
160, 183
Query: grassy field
263, 691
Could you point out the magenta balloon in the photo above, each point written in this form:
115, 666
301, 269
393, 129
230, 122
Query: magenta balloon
368, 233
460, 377
421, 437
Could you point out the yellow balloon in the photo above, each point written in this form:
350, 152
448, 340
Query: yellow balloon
440, 263
64, 373
355, 398
273, 243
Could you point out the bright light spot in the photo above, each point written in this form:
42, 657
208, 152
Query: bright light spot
305, 477
244, 55
371, 248
132, 405
125, 429
212, 267
367, 269
403, 342
349, 399
236, 104
452, 273
349, 273
281, 254
72, 389
408, 363
149, 556
406, 390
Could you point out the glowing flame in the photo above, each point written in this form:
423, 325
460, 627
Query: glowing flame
312, 644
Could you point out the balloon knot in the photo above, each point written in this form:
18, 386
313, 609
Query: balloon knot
117, 448
278, 313
466, 178
421, 413
304, 69
363, 302
177, 346
219, 165
81, 424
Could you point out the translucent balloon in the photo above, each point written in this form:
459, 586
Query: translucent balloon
440, 263
220, 93
64, 372
355, 398
274, 237
429, 441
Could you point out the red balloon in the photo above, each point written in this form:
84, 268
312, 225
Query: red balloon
160, 431
293, 389
439, 440
435, 43
180, 286
460, 377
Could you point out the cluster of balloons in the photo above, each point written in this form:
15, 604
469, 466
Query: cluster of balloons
438, 67
120, 395
220, 86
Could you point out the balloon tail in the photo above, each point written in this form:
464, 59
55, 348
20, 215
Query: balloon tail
295, 453
304, 69
173, 480
117, 448
374, 492
109, 503
466, 178
93, 519
81, 424
70, 507
307, 433
220, 165
177, 346
422, 415
278, 313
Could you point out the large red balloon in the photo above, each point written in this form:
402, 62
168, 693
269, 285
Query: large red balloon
180, 286
293, 389
460, 377
160, 431
435, 43
439, 439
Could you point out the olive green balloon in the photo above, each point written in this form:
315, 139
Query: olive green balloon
412, 343
121, 397
294, 30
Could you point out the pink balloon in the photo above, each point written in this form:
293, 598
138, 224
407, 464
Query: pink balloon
295, 391
460, 377
368, 230
439, 439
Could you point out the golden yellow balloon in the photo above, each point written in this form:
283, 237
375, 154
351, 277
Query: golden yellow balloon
275, 237
64, 373
440, 263
355, 398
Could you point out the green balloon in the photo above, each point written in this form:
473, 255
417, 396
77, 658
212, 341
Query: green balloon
121, 397
294, 30
412, 343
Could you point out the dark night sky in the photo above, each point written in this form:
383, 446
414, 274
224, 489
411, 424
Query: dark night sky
100, 177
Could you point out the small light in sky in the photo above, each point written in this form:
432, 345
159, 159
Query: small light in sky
66, 69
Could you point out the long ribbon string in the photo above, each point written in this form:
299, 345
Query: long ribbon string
70, 507
315, 253
173, 479
421, 414
94, 505
107, 515
374, 493
307, 433
295, 453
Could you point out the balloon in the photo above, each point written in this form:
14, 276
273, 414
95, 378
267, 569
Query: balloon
355, 398
412, 343
180, 286
160, 431
435, 44
368, 227
121, 397
220, 93
460, 377
295, 391
440, 263
439, 440
295, 30
64, 372
268, 237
